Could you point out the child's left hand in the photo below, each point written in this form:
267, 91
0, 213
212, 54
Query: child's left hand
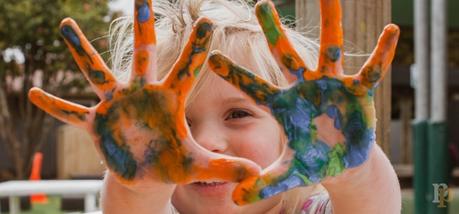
328, 117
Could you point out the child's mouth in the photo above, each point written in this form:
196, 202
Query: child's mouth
209, 184
211, 188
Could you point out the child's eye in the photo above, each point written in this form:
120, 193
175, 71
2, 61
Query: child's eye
188, 121
237, 114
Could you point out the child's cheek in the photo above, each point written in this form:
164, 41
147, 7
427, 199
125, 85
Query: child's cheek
260, 144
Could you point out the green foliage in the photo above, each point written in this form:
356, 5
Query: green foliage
32, 27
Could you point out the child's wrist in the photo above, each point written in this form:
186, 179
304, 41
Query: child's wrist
373, 181
356, 175
148, 197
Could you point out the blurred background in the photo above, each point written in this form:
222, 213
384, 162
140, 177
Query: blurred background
33, 54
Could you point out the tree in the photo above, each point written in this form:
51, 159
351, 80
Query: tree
32, 28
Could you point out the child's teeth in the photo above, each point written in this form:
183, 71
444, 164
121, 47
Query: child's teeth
210, 183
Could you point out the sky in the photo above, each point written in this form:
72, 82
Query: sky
124, 5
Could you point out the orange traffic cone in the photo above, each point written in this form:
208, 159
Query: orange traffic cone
35, 176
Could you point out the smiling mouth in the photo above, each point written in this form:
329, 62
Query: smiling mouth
209, 184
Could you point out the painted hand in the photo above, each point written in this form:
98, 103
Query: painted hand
140, 127
328, 117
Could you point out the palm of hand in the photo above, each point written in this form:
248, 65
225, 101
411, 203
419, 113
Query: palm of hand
328, 117
306, 111
139, 127
135, 132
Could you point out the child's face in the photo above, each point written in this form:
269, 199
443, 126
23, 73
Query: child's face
223, 119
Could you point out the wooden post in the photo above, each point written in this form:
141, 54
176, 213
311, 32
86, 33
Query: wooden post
422, 105
363, 21
308, 17
406, 114
438, 165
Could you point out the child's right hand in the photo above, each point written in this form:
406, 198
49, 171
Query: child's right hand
140, 127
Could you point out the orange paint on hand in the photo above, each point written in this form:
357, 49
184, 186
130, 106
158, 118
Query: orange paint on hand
144, 60
87, 58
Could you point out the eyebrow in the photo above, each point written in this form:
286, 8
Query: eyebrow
233, 100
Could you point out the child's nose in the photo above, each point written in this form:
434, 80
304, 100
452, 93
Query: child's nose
211, 138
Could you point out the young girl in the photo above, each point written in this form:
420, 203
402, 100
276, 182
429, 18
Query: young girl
158, 164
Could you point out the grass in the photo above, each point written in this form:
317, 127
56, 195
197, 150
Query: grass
52, 207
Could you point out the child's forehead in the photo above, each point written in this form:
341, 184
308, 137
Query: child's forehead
215, 91
219, 88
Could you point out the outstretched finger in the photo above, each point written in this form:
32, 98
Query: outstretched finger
281, 48
187, 67
259, 89
88, 60
144, 59
331, 38
375, 68
63, 110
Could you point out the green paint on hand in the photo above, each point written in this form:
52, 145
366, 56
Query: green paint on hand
196, 71
271, 30
335, 163
304, 178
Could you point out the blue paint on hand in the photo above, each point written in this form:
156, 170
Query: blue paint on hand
337, 122
299, 74
333, 112
323, 84
290, 182
334, 53
109, 95
71, 36
300, 117
313, 159
356, 82
357, 152
143, 13
118, 157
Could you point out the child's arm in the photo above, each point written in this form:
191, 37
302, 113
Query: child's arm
116, 198
329, 117
369, 188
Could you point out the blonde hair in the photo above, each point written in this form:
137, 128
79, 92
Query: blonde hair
237, 34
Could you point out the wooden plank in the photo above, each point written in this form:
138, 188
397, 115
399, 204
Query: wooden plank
308, 17
363, 21
76, 154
